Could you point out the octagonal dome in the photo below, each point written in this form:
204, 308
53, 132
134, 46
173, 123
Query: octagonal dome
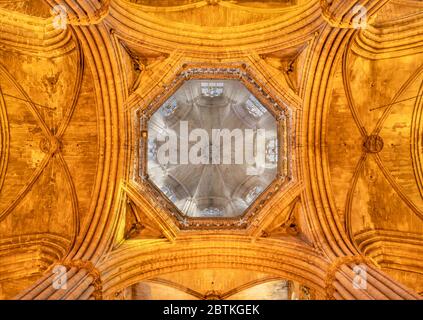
212, 148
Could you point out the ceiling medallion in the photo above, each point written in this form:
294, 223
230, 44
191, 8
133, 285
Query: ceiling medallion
373, 144
214, 146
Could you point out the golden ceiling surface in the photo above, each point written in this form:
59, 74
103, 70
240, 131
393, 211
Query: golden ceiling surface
77, 81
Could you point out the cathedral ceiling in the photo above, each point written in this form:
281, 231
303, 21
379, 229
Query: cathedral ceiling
70, 103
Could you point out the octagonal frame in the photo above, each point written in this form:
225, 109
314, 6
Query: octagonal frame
283, 118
